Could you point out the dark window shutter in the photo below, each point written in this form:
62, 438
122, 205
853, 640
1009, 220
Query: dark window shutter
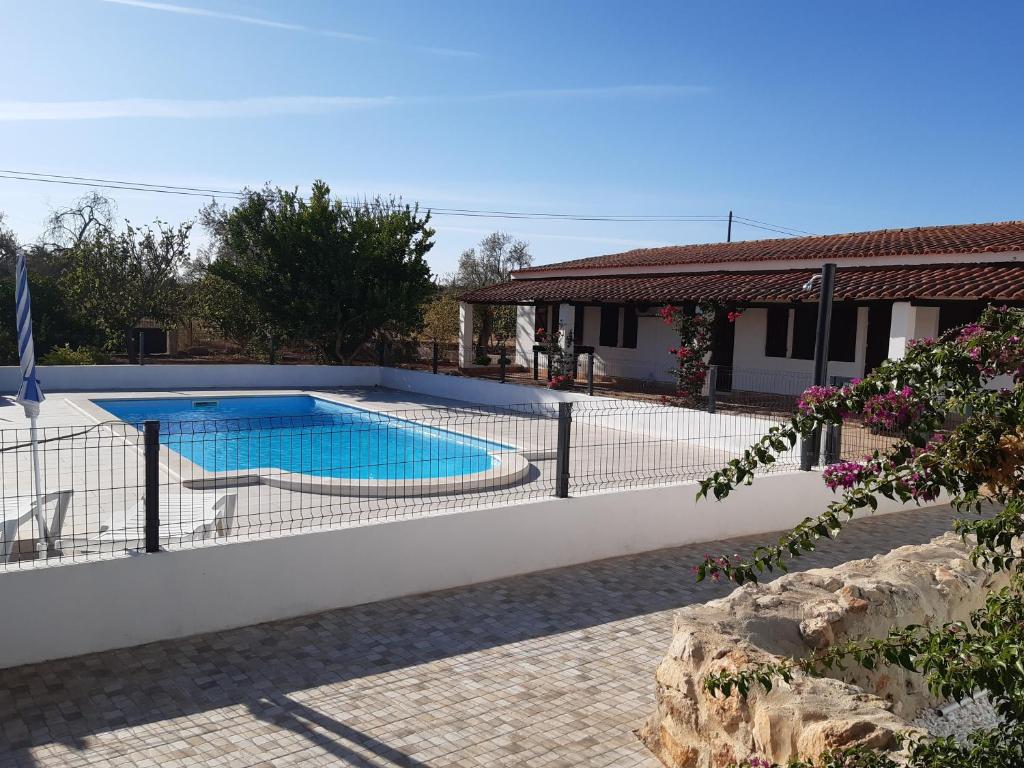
609, 326
805, 321
577, 332
777, 331
630, 321
842, 336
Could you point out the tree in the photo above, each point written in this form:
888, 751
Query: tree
121, 278
494, 259
326, 272
70, 227
8, 248
441, 316
979, 463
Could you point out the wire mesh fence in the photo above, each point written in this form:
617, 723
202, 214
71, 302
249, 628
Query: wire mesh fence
120, 487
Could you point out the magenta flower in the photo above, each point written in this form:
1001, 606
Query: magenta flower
845, 474
814, 397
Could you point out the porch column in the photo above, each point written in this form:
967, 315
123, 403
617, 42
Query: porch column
466, 351
910, 322
566, 323
526, 334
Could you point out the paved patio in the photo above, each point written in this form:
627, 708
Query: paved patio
549, 669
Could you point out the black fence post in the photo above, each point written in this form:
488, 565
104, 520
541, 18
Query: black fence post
833, 443
502, 363
590, 373
435, 355
562, 456
142, 347
536, 365
834, 432
712, 387
151, 438
810, 447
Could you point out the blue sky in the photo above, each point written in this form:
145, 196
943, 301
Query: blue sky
825, 117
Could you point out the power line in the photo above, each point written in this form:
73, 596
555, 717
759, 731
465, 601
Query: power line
769, 224
191, 191
788, 232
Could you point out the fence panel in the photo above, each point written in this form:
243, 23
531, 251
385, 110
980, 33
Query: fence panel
216, 479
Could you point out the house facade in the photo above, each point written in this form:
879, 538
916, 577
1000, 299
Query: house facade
892, 286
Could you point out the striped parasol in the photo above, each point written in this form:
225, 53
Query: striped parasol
30, 395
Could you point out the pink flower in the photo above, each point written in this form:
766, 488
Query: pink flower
845, 474
969, 331
733, 316
815, 396
892, 410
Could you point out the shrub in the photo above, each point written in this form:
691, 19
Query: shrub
980, 464
66, 355
482, 358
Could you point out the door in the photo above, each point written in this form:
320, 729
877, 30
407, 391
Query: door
723, 341
879, 321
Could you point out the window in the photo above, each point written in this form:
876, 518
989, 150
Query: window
540, 318
805, 326
842, 336
577, 324
609, 326
630, 321
777, 336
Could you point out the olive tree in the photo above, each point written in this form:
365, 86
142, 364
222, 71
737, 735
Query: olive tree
493, 260
120, 278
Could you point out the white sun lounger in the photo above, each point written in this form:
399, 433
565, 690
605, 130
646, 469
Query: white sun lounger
193, 516
13, 543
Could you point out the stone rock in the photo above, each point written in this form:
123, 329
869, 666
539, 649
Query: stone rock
796, 615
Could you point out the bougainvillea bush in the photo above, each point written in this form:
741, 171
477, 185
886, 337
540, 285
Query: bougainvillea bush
691, 356
561, 363
976, 373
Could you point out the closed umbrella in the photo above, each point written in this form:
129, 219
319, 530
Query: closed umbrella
30, 395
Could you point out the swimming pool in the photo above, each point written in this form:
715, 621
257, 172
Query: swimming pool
307, 435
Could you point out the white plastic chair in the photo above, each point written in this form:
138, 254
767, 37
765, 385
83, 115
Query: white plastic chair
12, 546
183, 517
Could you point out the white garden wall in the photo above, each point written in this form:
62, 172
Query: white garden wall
109, 378
66, 610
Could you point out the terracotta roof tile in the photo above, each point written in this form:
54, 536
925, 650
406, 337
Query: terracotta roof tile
995, 282
952, 239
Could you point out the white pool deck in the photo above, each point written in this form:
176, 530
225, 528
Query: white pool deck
104, 466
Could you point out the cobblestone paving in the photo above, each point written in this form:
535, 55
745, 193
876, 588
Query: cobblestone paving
549, 669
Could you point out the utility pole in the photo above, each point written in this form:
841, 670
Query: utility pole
728, 233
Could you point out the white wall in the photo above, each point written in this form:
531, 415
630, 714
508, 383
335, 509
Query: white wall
649, 361
471, 390
910, 321
55, 612
98, 378
784, 375
525, 335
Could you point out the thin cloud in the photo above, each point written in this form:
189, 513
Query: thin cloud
186, 109
189, 10
600, 92
209, 109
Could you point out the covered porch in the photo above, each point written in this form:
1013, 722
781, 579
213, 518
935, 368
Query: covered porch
769, 348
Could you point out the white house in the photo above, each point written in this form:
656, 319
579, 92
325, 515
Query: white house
891, 286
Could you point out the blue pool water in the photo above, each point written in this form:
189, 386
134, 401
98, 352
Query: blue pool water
300, 433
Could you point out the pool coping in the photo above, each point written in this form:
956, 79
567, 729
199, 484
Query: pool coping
511, 466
